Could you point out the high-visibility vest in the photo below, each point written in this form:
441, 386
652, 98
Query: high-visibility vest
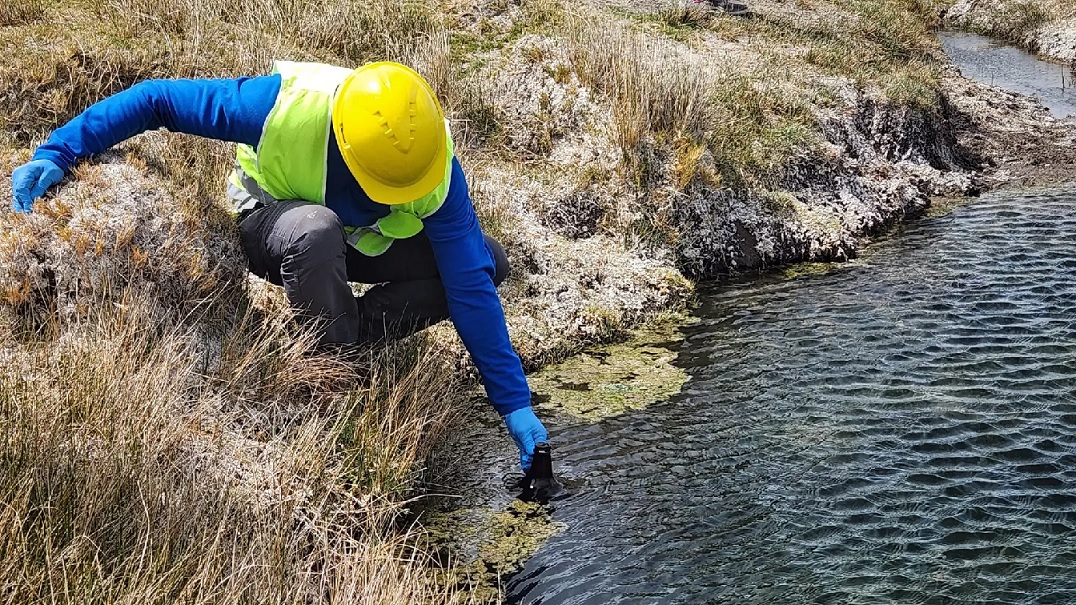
291, 160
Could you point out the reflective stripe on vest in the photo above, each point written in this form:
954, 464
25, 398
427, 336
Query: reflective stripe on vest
291, 159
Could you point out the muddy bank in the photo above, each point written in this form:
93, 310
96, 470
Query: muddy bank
1017, 140
877, 164
1020, 143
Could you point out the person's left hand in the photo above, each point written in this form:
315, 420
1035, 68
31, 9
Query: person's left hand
526, 431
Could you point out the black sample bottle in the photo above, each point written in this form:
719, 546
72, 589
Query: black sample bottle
539, 484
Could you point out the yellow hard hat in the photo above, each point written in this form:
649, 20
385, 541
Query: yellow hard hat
391, 132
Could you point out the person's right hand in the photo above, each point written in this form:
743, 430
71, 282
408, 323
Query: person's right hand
30, 181
526, 431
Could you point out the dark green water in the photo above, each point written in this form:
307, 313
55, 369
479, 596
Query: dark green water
899, 430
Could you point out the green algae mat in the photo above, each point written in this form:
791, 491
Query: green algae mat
610, 380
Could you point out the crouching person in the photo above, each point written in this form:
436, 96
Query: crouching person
341, 176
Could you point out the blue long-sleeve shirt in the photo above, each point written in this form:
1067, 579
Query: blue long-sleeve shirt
236, 110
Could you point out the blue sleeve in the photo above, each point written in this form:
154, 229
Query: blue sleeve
229, 110
473, 304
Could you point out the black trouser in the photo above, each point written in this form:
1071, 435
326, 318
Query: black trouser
301, 246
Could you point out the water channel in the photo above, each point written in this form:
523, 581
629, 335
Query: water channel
900, 429
897, 429
984, 60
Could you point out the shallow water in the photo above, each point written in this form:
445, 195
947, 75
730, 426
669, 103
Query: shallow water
901, 429
990, 62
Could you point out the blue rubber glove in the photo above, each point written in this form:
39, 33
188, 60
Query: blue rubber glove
526, 430
30, 181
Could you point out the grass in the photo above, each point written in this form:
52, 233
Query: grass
21, 12
133, 472
1014, 20
650, 88
700, 100
164, 439
675, 93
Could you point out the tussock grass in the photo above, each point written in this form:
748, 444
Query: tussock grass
872, 42
133, 474
746, 121
1015, 20
21, 12
651, 88
749, 117
350, 31
702, 100
477, 121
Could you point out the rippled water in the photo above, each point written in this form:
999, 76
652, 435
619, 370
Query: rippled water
996, 64
899, 430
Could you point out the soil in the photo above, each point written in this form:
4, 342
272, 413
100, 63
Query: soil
1019, 144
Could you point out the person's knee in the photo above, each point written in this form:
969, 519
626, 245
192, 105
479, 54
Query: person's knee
500, 260
319, 234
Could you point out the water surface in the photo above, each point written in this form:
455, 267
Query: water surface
901, 429
987, 61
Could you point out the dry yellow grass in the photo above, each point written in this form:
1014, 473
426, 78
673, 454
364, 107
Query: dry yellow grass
139, 466
700, 100
744, 88
165, 440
